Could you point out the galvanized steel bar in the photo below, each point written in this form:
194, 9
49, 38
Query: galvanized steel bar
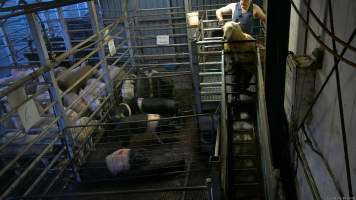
110, 193
96, 28
8, 45
263, 135
66, 36
54, 91
18, 180
25, 149
124, 11
57, 61
44, 172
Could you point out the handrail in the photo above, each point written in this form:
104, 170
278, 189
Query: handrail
57, 60
263, 132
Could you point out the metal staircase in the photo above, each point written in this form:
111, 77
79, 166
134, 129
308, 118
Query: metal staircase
229, 85
245, 182
210, 63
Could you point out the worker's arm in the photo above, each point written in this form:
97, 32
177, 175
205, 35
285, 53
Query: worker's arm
258, 12
222, 11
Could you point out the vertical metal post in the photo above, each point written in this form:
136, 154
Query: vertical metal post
10, 49
306, 30
170, 22
193, 60
124, 10
66, 36
54, 91
223, 132
96, 29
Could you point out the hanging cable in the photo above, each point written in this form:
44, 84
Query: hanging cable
325, 82
349, 62
309, 142
341, 108
309, 176
324, 27
295, 137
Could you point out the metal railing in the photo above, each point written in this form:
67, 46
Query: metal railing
25, 152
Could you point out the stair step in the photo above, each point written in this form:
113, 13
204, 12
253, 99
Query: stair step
217, 42
212, 46
244, 162
242, 126
211, 20
246, 184
243, 116
210, 53
245, 169
243, 142
213, 38
210, 93
212, 29
211, 84
248, 195
248, 192
210, 73
239, 137
211, 101
246, 155
244, 150
209, 63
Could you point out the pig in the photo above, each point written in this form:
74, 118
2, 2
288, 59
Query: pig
161, 106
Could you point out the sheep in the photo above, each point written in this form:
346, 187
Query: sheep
16, 74
68, 78
232, 35
58, 71
116, 73
91, 92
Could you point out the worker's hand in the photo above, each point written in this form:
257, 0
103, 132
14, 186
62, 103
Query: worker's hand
221, 23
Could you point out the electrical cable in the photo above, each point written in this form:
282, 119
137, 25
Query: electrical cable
330, 33
341, 108
340, 57
309, 142
295, 135
325, 82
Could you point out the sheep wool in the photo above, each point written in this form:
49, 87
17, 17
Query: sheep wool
233, 33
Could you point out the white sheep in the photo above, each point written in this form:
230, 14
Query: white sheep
235, 45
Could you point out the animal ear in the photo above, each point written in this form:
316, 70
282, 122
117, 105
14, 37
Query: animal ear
238, 23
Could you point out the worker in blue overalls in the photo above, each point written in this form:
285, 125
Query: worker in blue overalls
243, 12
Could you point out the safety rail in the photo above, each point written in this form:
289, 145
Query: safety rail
210, 45
43, 147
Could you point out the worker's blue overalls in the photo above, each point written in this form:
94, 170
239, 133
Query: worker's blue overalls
245, 19
243, 76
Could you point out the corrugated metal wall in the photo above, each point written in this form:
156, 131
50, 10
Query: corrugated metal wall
158, 21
